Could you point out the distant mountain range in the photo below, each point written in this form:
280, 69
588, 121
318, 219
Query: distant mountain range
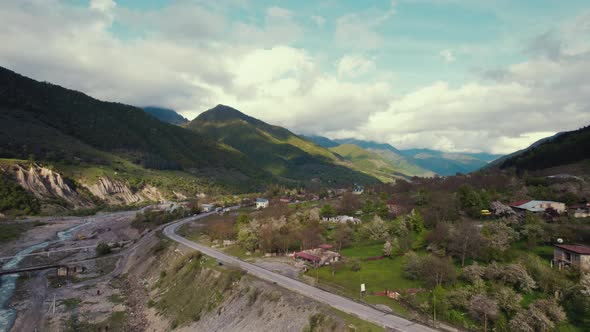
166, 115
418, 162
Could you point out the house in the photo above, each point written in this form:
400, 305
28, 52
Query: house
207, 207
322, 255
538, 206
582, 213
261, 203
285, 200
569, 254
341, 219
579, 210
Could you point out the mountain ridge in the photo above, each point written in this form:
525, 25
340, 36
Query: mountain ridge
166, 115
418, 160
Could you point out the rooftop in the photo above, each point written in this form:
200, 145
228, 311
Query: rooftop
578, 249
307, 256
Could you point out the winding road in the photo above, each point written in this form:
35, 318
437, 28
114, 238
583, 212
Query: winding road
341, 303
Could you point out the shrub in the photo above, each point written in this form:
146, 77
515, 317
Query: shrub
103, 249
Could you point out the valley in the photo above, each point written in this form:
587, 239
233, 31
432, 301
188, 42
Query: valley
115, 217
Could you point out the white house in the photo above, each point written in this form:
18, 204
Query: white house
261, 203
538, 206
341, 219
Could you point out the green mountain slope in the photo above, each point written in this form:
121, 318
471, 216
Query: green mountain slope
419, 162
275, 149
46, 122
166, 115
383, 164
561, 149
449, 163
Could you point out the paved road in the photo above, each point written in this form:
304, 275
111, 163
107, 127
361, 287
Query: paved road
341, 303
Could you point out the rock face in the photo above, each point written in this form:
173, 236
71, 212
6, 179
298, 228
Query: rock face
116, 192
47, 184
113, 192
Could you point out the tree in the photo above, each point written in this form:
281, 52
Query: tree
483, 308
387, 249
103, 249
376, 229
327, 211
585, 283
466, 242
473, 272
349, 203
508, 300
248, 235
542, 315
499, 237
342, 235
416, 221
435, 271
421, 197
532, 232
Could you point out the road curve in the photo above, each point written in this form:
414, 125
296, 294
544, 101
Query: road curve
341, 303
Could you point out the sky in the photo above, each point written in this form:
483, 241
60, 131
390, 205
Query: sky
453, 75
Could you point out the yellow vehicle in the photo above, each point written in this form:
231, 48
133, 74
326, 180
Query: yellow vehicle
486, 213
81, 237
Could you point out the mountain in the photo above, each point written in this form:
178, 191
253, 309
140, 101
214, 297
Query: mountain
321, 141
449, 163
564, 148
45, 122
419, 162
373, 163
166, 115
498, 162
275, 149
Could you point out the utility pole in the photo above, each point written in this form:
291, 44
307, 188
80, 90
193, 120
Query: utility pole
53, 313
433, 306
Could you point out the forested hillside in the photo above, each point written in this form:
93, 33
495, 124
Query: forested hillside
565, 148
275, 149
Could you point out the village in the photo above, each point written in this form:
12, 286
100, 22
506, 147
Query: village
392, 248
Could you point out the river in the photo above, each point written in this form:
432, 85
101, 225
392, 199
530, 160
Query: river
8, 282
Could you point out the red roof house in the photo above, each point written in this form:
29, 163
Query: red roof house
572, 254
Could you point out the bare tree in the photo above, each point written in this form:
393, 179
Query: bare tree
483, 308
466, 241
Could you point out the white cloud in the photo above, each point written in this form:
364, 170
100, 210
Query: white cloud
351, 66
357, 30
278, 12
447, 56
190, 58
103, 5
318, 20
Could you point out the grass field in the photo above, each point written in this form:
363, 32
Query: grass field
377, 276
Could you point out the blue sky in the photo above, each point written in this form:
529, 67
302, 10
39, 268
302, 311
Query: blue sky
456, 75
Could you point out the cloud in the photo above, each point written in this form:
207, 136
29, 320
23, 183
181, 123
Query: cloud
357, 30
190, 57
447, 56
103, 5
351, 66
278, 12
318, 20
